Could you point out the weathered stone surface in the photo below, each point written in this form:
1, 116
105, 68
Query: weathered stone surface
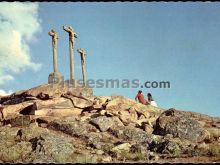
65, 112
214, 132
16, 152
102, 99
19, 121
10, 111
78, 101
117, 121
48, 91
125, 117
73, 128
125, 147
148, 129
84, 158
130, 133
107, 159
42, 112
61, 150
172, 146
177, 124
54, 103
103, 122
118, 129
59, 112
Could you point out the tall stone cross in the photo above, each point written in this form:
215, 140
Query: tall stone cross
82, 53
72, 36
54, 36
54, 77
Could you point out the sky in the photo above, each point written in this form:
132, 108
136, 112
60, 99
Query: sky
149, 41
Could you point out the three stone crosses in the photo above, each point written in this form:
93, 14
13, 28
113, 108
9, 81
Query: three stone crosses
56, 75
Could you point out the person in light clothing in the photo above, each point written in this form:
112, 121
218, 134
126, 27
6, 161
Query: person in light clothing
151, 100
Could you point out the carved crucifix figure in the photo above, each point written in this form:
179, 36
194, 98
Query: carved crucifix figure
82, 53
72, 36
54, 36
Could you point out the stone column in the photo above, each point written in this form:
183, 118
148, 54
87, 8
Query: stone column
72, 36
83, 64
54, 77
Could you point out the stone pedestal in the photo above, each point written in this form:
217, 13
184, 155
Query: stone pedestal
55, 78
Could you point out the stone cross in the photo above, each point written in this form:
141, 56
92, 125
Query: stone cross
54, 36
82, 53
54, 77
72, 36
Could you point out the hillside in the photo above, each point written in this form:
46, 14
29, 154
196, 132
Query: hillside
49, 124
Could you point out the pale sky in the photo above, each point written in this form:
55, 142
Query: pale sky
149, 41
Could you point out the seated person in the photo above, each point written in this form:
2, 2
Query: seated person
140, 98
151, 100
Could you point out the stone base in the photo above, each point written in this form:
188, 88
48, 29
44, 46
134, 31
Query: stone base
55, 78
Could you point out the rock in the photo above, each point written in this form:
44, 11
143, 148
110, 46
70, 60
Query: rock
65, 112
103, 123
132, 134
202, 123
97, 107
214, 132
112, 112
107, 159
217, 125
102, 112
43, 96
56, 90
59, 112
125, 117
93, 139
143, 121
84, 158
153, 156
152, 119
148, 129
103, 99
144, 114
60, 149
84, 118
10, 111
100, 152
15, 152
133, 114
142, 117
139, 148
73, 128
54, 103
203, 146
171, 146
29, 110
125, 147
179, 125
78, 101
117, 121
19, 121
42, 112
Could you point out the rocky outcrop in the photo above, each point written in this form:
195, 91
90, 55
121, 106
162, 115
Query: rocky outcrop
179, 125
102, 122
52, 124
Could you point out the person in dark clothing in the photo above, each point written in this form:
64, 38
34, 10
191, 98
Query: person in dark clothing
151, 100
